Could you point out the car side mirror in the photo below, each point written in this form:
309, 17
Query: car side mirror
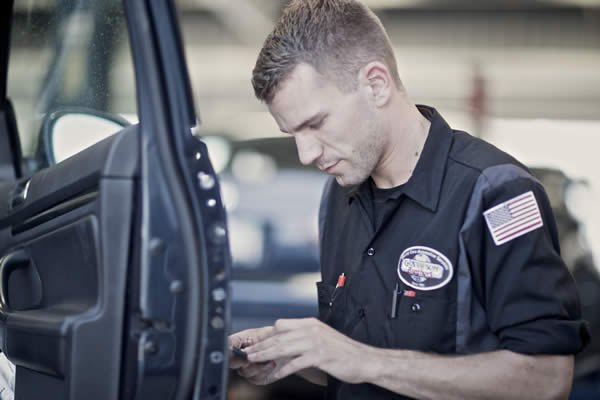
68, 131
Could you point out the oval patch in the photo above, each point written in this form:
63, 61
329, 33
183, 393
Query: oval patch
424, 268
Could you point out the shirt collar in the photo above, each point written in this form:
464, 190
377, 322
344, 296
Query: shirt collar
425, 184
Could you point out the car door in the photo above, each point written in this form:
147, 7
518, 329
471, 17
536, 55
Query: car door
114, 256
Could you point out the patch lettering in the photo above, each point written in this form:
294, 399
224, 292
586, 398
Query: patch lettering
424, 268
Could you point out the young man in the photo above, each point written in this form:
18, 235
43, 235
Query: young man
441, 274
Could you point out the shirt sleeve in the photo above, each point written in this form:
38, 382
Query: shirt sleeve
530, 298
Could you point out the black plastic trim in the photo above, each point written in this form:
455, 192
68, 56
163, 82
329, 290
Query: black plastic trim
55, 212
73, 177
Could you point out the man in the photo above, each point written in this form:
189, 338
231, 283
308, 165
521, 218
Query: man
441, 274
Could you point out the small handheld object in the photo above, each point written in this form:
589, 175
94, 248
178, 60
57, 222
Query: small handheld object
240, 353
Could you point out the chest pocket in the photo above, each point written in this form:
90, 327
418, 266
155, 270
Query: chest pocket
332, 304
338, 309
425, 322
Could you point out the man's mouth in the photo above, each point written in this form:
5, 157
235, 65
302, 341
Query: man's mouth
330, 167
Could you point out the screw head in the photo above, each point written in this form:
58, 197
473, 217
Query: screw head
150, 347
219, 294
176, 287
206, 181
216, 357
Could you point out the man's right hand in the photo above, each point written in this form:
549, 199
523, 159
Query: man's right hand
255, 373
259, 373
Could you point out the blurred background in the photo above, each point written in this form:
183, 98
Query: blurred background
522, 74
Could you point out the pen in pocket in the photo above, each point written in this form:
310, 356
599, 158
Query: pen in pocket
394, 303
340, 283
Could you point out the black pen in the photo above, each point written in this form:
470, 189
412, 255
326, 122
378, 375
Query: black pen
394, 302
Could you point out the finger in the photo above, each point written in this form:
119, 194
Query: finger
289, 344
261, 335
255, 370
236, 362
238, 339
235, 340
277, 337
288, 324
249, 336
291, 367
244, 339
265, 378
271, 341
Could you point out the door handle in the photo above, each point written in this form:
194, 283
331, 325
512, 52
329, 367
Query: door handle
20, 260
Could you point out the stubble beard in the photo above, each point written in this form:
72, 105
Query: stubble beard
365, 156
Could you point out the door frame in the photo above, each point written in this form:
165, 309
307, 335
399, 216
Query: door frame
167, 122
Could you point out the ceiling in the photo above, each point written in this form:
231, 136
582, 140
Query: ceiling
525, 58
536, 59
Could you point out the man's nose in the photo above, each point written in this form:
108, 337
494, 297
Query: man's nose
309, 149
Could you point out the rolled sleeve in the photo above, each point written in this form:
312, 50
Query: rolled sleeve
530, 297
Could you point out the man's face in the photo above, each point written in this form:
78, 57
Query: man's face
337, 131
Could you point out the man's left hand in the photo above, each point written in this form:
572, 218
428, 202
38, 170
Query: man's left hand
297, 344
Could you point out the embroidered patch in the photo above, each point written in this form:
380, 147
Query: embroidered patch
513, 218
424, 268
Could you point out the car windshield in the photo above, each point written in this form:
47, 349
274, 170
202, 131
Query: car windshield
68, 54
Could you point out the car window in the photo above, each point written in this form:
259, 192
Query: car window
68, 54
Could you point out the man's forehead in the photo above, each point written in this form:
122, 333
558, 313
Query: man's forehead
292, 116
303, 77
296, 98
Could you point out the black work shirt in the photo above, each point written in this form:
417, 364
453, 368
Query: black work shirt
382, 202
471, 243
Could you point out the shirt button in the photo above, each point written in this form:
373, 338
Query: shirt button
371, 251
361, 312
416, 307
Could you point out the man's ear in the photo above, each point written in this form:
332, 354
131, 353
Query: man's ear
377, 80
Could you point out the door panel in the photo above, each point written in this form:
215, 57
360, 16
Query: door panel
63, 269
115, 261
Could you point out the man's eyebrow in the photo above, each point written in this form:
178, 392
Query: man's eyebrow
308, 121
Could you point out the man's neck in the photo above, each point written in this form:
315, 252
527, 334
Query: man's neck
408, 131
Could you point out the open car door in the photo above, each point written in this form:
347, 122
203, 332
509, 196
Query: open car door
114, 261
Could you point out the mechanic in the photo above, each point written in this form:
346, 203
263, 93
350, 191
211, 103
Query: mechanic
441, 272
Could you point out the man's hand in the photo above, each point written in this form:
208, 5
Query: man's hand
297, 344
255, 373
244, 339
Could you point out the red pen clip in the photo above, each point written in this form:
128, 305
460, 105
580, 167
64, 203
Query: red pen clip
341, 281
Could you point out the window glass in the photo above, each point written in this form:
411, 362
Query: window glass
68, 54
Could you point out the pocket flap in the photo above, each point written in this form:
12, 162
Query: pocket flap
324, 292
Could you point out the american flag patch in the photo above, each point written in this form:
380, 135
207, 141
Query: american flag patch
513, 218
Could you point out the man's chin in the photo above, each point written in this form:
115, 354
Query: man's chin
345, 181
